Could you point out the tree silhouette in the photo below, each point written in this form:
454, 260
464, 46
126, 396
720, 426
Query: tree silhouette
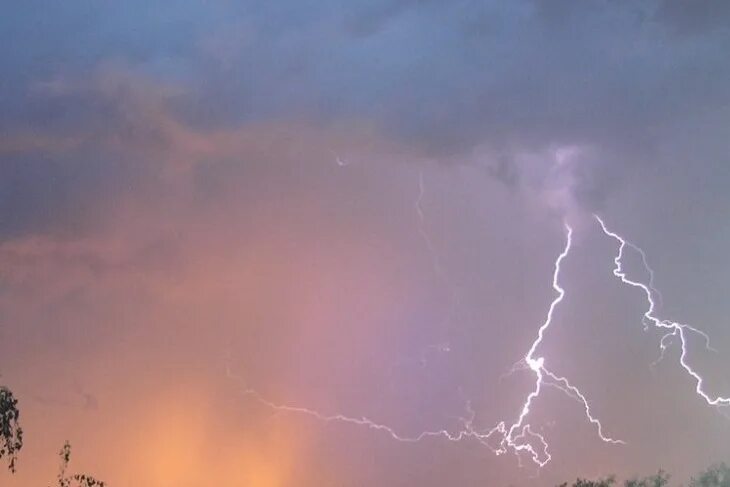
77, 480
11, 442
659, 480
607, 482
715, 476
11, 434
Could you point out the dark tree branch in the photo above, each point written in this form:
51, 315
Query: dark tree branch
11, 434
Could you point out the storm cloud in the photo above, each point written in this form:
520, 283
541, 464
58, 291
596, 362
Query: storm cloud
172, 191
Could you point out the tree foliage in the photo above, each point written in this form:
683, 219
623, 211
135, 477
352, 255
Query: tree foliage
607, 482
11, 434
659, 480
76, 480
11, 442
715, 476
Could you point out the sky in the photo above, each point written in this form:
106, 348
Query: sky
356, 208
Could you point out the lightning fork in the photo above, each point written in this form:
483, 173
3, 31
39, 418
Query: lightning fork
537, 365
519, 437
674, 329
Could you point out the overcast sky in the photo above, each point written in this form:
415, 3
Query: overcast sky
355, 207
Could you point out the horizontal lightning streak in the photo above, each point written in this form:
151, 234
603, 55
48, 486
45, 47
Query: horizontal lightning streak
467, 430
361, 421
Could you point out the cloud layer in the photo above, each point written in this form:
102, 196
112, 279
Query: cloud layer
181, 184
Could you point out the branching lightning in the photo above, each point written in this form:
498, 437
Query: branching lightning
674, 329
518, 431
519, 437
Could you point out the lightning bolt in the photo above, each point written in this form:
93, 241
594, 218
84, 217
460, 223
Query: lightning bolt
519, 430
454, 298
360, 421
673, 328
519, 437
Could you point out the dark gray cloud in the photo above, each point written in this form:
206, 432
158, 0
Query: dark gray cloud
440, 77
698, 17
87, 142
58, 195
520, 76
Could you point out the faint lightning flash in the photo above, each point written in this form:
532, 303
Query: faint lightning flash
340, 162
455, 301
361, 421
519, 437
422, 226
674, 329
